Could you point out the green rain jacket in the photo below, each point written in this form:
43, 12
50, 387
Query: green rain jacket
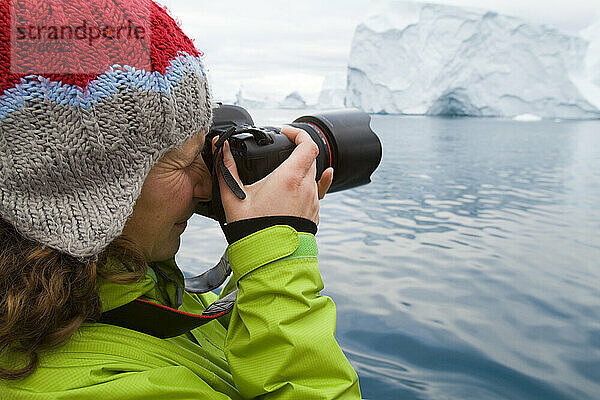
278, 342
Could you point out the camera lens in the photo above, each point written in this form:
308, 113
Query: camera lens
346, 143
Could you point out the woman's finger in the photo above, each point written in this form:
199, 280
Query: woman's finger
325, 182
296, 135
305, 153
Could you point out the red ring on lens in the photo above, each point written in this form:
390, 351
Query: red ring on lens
326, 141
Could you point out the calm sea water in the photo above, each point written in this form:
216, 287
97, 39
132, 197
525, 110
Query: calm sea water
469, 268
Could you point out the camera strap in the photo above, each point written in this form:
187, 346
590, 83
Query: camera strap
218, 160
166, 322
211, 279
214, 208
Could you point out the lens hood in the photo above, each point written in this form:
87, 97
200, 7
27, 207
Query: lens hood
355, 148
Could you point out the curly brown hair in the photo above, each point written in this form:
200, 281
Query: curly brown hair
45, 295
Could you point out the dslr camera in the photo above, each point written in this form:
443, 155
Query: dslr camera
344, 138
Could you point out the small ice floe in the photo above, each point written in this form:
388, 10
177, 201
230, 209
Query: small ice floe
427, 177
528, 118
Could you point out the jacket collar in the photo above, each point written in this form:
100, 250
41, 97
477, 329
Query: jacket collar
163, 284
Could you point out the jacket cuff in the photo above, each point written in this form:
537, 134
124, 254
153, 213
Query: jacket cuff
268, 245
240, 229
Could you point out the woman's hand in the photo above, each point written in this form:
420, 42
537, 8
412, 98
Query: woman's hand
289, 190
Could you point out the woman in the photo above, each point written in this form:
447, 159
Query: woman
98, 175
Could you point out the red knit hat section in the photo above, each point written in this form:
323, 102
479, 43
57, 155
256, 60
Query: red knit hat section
75, 41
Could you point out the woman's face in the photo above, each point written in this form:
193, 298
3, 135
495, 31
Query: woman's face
169, 196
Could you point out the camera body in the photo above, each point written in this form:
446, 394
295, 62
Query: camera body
259, 150
252, 159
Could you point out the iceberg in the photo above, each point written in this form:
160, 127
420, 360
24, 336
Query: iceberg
333, 92
293, 101
592, 64
528, 118
254, 101
588, 80
421, 58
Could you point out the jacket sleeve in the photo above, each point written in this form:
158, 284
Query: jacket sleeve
281, 338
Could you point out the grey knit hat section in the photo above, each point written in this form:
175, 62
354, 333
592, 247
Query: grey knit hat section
70, 175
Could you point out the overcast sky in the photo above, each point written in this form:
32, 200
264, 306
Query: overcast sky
276, 47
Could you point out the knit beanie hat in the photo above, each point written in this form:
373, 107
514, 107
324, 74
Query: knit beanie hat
88, 104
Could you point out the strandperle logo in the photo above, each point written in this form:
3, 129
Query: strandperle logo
58, 37
85, 31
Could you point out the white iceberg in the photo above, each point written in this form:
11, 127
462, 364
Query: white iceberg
587, 80
527, 118
417, 58
293, 101
333, 92
254, 101
592, 62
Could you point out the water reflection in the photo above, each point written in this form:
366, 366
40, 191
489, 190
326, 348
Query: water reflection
468, 268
